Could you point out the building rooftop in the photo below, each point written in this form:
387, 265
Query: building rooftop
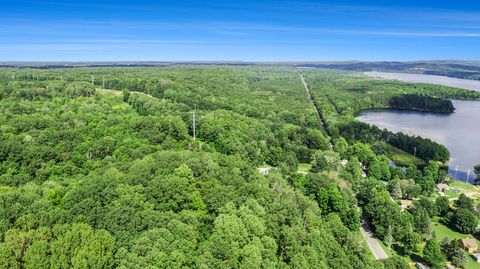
469, 242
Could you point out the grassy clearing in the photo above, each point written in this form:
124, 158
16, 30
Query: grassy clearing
110, 92
442, 231
468, 189
450, 194
403, 158
303, 168
114, 98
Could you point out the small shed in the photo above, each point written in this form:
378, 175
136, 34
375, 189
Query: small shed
469, 245
442, 187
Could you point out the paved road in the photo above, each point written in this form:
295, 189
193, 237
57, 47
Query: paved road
372, 242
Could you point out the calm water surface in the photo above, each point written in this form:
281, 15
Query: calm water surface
419, 78
459, 131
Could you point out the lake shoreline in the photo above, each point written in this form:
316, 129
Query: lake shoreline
468, 84
454, 130
402, 110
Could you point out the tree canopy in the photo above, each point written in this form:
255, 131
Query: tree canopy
115, 173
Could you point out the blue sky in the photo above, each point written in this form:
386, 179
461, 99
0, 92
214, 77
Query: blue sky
59, 30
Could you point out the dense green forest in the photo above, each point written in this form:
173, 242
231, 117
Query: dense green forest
423, 147
101, 168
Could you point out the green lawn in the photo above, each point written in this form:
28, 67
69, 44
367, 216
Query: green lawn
451, 194
403, 158
466, 188
472, 264
463, 185
458, 187
443, 231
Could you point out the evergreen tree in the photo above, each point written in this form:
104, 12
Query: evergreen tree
453, 252
432, 253
443, 205
477, 172
464, 221
464, 202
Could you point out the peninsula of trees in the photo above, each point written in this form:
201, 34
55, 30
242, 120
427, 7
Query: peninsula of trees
421, 103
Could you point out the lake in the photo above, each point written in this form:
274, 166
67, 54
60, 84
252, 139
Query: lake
459, 131
419, 78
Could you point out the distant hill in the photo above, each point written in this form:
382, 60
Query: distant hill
450, 68
457, 69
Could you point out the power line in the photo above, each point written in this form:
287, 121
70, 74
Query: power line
193, 124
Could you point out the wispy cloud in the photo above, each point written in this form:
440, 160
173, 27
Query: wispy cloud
409, 34
227, 28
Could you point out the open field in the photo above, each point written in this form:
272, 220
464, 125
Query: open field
403, 158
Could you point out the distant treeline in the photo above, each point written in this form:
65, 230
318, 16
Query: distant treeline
456, 69
422, 147
421, 103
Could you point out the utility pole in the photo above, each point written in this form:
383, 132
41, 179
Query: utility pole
415, 152
103, 82
456, 171
468, 175
93, 79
